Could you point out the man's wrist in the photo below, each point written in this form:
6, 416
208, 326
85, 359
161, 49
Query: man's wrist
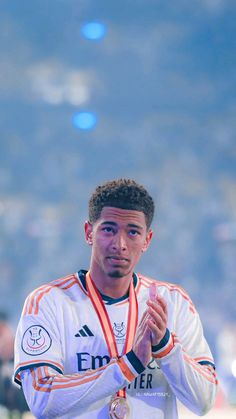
164, 346
130, 365
135, 361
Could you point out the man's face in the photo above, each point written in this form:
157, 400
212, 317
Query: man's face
118, 239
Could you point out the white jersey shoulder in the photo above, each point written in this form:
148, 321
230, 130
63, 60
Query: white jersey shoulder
171, 291
54, 289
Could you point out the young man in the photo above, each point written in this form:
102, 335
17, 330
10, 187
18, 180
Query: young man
110, 343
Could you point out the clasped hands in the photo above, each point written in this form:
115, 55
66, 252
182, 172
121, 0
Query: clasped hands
151, 328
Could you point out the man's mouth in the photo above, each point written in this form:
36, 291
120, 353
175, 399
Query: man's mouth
117, 259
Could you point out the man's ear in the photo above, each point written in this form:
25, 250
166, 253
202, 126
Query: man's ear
147, 240
88, 230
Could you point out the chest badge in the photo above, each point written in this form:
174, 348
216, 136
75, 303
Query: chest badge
119, 330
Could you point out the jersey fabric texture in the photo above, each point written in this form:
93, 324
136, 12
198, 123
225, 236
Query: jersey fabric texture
63, 365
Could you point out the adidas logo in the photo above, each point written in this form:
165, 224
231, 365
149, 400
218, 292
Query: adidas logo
84, 332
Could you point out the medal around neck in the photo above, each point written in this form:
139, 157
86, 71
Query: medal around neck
119, 408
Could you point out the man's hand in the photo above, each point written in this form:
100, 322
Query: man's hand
142, 341
151, 329
157, 319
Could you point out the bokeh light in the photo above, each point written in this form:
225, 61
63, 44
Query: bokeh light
93, 31
233, 367
85, 120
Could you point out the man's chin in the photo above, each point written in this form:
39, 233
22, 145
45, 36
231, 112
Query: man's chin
116, 274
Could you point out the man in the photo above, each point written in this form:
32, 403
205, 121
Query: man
110, 342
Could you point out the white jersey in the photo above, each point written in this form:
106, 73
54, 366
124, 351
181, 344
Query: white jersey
63, 364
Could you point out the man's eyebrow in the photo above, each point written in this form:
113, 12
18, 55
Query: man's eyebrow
109, 222
135, 226
129, 225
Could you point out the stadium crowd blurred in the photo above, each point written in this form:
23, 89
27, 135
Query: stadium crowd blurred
162, 84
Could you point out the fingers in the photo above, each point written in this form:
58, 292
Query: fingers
142, 324
153, 323
153, 291
157, 313
160, 302
157, 320
157, 332
143, 318
142, 341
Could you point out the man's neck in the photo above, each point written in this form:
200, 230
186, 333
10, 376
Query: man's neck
109, 286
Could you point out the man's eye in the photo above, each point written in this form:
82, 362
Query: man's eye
108, 229
133, 232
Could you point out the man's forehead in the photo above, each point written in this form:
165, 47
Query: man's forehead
120, 214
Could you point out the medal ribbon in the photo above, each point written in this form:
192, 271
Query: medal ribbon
101, 311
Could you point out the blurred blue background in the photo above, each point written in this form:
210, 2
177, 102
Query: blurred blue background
157, 83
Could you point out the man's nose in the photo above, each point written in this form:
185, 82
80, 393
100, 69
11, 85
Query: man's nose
119, 242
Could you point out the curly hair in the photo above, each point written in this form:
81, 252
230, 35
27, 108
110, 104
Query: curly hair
121, 193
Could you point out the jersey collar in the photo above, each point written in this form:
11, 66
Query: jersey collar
107, 300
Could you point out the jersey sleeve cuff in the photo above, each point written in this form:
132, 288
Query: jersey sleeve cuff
22, 367
164, 347
130, 365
